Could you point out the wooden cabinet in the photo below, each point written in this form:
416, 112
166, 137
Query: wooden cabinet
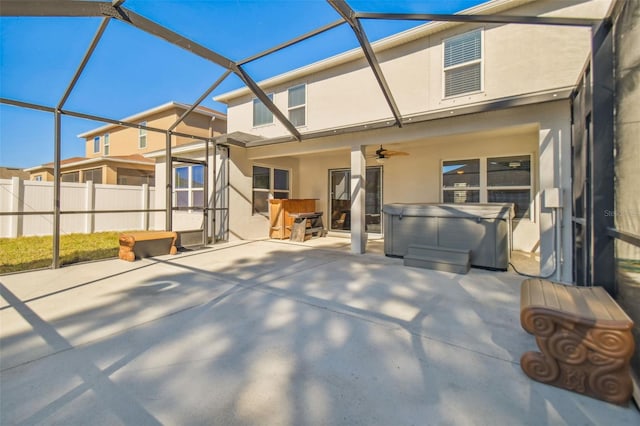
280, 221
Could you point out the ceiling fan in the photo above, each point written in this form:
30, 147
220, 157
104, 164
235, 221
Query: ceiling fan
382, 154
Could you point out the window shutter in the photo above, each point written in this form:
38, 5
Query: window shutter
462, 80
462, 63
463, 48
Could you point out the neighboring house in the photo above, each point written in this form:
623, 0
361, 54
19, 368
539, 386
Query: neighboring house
117, 170
10, 172
486, 117
114, 154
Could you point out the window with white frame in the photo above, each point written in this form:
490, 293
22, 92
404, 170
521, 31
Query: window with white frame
188, 184
463, 63
461, 181
268, 182
142, 136
38, 178
489, 180
96, 144
297, 105
106, 144
261, 114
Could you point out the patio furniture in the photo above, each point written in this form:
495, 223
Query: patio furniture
306, 224
280, 215
136, 245
584, 337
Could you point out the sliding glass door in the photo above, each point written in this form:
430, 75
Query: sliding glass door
340, 199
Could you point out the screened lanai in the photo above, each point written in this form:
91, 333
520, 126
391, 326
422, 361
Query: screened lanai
108, 60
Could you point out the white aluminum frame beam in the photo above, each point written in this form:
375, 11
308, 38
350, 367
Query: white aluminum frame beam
349, 15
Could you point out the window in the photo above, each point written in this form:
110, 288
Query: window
489, 180
94, 175
261, 114
297, 105
266, 182
142, 136
70, 177
136, 177
96, 144
106, 144
461, 181
189, 187
38, 178
509, 181
463, 64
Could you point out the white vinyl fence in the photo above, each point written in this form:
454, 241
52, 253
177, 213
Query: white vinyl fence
18, 195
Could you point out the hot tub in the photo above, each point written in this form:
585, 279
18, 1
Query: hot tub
485, 229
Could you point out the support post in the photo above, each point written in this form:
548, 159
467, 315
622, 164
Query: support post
89, 205
16, 205
205, 199
168, 224
57, 122
144, 225
602, 158
358, 185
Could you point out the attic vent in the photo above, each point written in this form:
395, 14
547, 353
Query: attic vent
463, 63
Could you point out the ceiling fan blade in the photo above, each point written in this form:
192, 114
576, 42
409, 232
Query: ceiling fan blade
394, 153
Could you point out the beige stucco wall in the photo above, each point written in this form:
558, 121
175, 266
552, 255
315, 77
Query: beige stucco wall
124, 140
518, 60
542, 130
47, 176
243, 223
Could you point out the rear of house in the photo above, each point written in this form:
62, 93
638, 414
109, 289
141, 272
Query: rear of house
485, 117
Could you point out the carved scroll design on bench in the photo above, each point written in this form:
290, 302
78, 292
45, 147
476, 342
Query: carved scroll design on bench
578, 357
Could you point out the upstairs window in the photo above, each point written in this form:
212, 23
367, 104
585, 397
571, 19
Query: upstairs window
96, 144
463, 64
142, 136
106, 144
261, 114
297, 105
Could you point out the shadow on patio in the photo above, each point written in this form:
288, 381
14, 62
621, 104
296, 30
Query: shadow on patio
269, 332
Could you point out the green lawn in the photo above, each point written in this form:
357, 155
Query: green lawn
24, 253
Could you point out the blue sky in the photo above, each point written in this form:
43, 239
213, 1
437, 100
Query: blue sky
131, 71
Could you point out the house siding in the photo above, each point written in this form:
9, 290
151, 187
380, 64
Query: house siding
518, 60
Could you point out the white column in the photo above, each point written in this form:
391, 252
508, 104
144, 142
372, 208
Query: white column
358, 176
555, 226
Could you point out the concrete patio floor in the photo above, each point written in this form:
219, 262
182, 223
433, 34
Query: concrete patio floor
273, 333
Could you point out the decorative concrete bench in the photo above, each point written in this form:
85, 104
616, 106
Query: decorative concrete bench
584, 337
147, 244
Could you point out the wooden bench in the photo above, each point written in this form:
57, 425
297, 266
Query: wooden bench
146, 244
306, 224
584, 337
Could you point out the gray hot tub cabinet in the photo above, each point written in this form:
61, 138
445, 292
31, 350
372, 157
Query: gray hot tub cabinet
485, 229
